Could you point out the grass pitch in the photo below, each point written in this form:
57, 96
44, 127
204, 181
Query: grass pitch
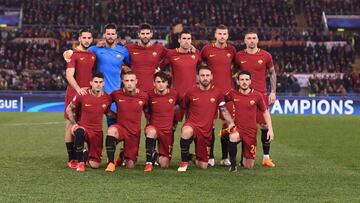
317, 160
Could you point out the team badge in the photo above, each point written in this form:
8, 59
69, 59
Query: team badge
260, 61
212, 100
93, 57
141, 103
103, 106
171, 101
252, 102
193, 56
118, 56
228, 55
154, 53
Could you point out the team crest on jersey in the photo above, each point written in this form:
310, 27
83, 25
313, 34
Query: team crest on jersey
212, 100
193, 56
118, 56
260, 61
103, 106
154, 53
228, 55
141, 103
171, 101
252, 102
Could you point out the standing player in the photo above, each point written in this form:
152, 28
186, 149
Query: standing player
78, 74
219, 56
183, 62
130, 102
258, 62
248, 102
110, 60
145, 57
162, 104
92, 107
201, 103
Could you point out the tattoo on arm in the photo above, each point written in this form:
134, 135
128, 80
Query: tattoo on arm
273, 79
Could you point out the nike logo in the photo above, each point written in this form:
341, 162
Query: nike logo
82, 58
136, 53
87, 104
120, 100
236, 99
154, 102
212, 55
242, 62
175, 59
194, 99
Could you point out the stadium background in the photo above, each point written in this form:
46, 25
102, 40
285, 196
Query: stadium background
315, 47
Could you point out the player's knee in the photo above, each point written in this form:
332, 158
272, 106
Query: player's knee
263, 126
151, 132
130, 164
234, 137
94, 164
249, 163
186, 132
164, 162
112, 131
202, 165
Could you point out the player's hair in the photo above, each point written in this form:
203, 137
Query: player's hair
250, 32
203, 67
123, 73
162, 75
144, 26
221, 27
243, 72
98, 75
183, 32
110, 26
84, 30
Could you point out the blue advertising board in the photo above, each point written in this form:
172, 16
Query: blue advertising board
323, 105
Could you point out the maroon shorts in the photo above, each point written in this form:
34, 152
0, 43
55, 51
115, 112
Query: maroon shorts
94, 140
249, 145
179, 114
259, 114
202, 143
131, 142
165, 141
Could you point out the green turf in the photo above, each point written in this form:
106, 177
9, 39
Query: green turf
317, 160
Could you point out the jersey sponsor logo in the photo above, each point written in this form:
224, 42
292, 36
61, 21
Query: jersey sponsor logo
175, 59
242, 62
136, 53
171, 101
228, 55
82, 58
87, 105
154, 53
194, 99
260, 61
141, 103
103, 106
154, 102
212, 100
121, 100
193, 56
118, 56
212, 55
252, 102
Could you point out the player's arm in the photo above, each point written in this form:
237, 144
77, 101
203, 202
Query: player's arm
70, 72
227, 116
272, 96
70, 112
267, 117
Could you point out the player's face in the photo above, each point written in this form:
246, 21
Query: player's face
205, 77
185, 41
244, 81
130, 82
145, 35
85, 39
251, 40
221, 35
97, 84
110, 36
160, 84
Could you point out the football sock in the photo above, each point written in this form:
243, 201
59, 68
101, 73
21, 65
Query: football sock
110, 148
224, 144
149, 144
232, 152
212, 143
79, 143
184, 146
70, 150
264, 141
242, 154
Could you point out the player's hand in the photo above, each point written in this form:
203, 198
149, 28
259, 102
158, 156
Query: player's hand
82, 91
192, 49
270, 136
67, 55
101, 43
126, 68
272, 97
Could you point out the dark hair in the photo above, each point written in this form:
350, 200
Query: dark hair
84, 30
250, 32
204, 67
123, 73
144, 26
162, 75
98, 75
183, 32
243, 72
110, 26
221, 27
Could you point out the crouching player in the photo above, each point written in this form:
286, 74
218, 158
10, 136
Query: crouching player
247, 102
162, 104
130, 102
201, 103
92, 106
